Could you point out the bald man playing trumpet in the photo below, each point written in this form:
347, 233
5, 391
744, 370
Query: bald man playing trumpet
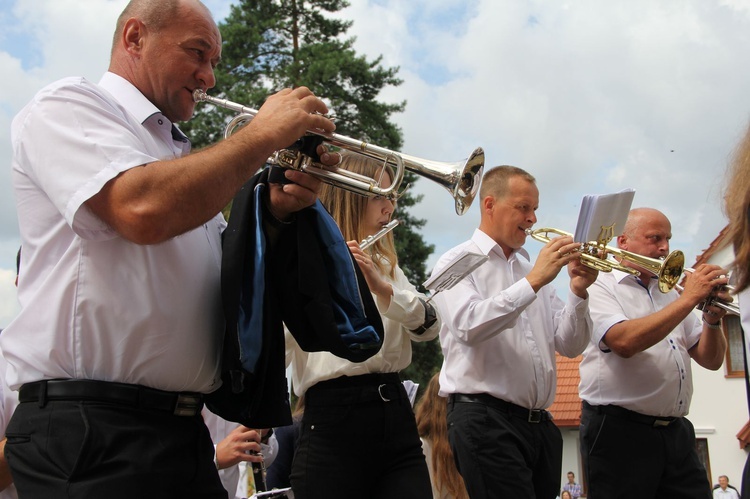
636, 381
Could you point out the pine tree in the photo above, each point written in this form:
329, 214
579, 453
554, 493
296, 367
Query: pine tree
273, 44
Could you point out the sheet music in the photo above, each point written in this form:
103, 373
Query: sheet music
461, 266
411, 390
603, 216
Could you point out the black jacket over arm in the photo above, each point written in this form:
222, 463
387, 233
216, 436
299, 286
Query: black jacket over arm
307, 281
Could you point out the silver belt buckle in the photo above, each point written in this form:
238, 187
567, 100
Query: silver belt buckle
187, 405
380, 392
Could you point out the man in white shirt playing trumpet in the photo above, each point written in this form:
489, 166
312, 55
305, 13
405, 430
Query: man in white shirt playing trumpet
636, 381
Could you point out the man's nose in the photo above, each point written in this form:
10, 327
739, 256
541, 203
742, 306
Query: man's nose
206, 76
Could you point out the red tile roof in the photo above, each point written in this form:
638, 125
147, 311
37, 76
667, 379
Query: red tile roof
567, 406
744, 435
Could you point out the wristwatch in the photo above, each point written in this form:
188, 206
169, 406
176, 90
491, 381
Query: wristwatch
430, 317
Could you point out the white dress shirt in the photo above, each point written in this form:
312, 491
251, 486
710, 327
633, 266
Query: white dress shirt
404, 313
657, 381
94, 305
720, 493
498, 336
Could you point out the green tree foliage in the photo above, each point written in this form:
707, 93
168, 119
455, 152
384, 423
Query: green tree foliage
269, 45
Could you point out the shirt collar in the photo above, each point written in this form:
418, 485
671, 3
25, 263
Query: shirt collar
620, 277
487, 245
129, 97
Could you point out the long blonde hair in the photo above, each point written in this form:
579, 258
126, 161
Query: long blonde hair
348, 210
432, 425
737, 209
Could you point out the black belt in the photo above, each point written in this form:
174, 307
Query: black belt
347, 390
530, 415
179, 404
620, 412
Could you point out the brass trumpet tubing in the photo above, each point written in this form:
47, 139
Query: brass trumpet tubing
667, 270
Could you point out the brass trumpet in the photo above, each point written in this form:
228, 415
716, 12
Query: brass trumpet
595, 256
461, 179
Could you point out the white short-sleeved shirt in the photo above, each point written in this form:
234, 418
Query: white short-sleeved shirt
498, 336
657, 381
94, 305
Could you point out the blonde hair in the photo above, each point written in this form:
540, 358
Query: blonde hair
737, 209
348, 210
431, 414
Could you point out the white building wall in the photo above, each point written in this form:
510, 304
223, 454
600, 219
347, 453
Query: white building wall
719, 407
718, 411
571, 455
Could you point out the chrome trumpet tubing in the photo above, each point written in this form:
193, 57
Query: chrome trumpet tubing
729, 307
372, 239
596, 256
461, 179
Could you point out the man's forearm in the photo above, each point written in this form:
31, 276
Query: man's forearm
5, 476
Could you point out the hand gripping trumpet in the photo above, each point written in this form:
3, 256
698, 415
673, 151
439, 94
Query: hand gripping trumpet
461, 179
729, 307
595, 255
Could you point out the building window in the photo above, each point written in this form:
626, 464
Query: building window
735, 357
701, 447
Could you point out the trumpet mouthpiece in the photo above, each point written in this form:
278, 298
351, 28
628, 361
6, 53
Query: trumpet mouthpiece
199, 95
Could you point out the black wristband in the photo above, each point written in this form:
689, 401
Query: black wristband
430, 317
264, 439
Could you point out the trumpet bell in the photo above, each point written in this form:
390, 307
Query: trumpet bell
460, 179
671, 271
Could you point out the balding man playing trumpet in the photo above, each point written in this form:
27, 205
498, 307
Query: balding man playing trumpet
636, 381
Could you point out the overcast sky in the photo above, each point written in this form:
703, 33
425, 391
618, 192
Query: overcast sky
591, 97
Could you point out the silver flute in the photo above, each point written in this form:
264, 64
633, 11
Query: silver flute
370, 240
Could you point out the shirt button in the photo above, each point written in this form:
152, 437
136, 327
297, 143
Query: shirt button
160, 121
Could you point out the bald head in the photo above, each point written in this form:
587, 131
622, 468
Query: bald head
647, 232
638, 217
156, 14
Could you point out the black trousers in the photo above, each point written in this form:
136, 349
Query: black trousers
502, 455
625, 457
359, 440
74, 449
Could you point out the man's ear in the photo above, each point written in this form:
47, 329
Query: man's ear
622, 241
133, 33
488, 203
